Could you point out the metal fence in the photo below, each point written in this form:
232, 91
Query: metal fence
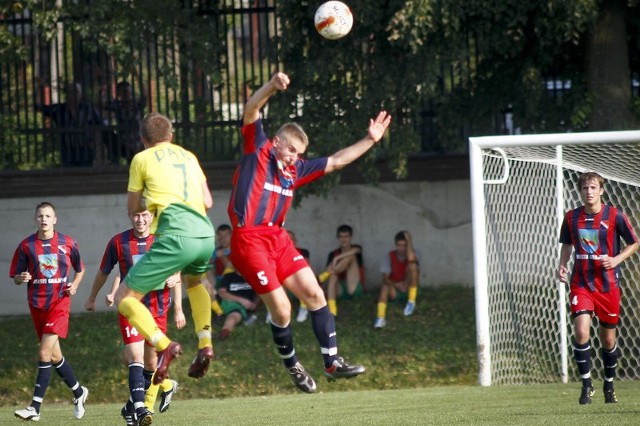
70, 103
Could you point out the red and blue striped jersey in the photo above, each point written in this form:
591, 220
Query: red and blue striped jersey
594, 235
125, 249
49, 262
261, 196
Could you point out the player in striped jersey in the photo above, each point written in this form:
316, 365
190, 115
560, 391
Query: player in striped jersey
124, 250
44, 261
263, 185
593, 231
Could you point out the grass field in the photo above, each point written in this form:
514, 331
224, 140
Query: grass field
440, 405
420, 370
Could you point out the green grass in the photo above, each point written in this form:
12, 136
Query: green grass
534, 405
435, 346
420, 370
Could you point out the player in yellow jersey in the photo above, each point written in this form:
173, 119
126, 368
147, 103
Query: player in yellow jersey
167, 180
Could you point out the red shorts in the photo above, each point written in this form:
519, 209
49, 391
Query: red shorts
606, 306
55, 320
265, 256
131, 335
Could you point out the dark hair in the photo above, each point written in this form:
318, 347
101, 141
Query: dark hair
223, 227
344, 228
399, 237
45, 204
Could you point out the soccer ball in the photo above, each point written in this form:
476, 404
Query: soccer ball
333, 20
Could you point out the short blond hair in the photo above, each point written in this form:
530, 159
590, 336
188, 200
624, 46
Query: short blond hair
290, 131
156, 128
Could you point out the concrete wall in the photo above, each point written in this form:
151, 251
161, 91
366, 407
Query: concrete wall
437, 214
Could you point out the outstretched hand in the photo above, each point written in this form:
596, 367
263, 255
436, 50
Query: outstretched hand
379, 125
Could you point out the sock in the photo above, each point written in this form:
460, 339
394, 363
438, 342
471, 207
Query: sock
42, 383
151, 390
382, 309
324, 327
413, 293
201, 312
324, 276
64, 370
140, 317
215, 307
136, 386
333, 307
166, 385
303, 305
283, 338
582, 354
610, 361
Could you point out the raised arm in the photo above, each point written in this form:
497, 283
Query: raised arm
377, 129
279, 81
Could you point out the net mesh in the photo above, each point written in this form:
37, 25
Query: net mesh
522, 256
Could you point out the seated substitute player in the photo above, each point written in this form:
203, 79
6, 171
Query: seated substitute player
237, 300
220, 261
345, 270
124, 249
263, 187
400, 272
168, 181
44, 261
593, 231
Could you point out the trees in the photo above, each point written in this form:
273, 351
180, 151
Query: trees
450, 68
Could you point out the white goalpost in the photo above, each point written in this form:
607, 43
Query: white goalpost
521, 186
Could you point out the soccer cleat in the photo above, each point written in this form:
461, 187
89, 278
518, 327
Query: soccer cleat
145, 418
585, 395
610, 396
324, 276
165, 397
267, 319
78, 410
200, 364
303, 314
171, 352
341, 370
128, 416
408, 310
29, 414
302, 379
380, 323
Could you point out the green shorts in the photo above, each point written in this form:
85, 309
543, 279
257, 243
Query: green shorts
401, 297
168, 255
229, 306
344, 294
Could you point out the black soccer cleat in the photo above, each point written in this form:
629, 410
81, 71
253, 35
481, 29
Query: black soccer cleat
610, 396
341, 370
585, 395
301, 378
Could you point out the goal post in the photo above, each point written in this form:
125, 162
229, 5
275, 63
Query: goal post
521, 186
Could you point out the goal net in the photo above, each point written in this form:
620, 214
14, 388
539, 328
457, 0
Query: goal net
521, 187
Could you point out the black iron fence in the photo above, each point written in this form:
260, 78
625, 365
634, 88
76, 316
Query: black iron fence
65, 101
68, 102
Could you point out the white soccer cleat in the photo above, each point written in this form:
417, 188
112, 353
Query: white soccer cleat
29, 414
78, 409
380, 323
303, 314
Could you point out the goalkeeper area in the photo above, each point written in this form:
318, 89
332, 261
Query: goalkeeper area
521, 187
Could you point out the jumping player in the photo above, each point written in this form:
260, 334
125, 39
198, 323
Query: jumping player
168, 181
594, 231
263, 186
